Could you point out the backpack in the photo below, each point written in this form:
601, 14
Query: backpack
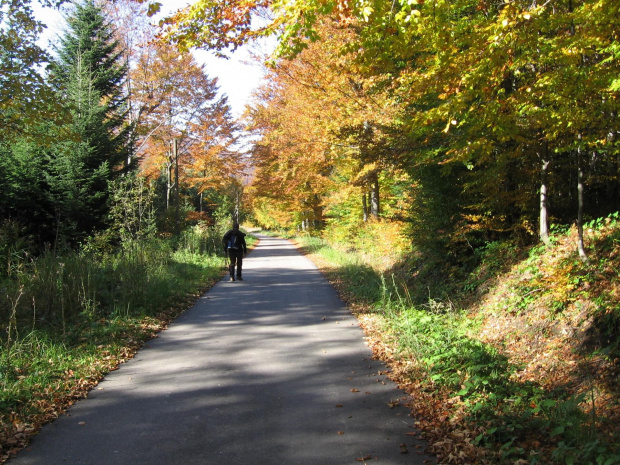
232, 242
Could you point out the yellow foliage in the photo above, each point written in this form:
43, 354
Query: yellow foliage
380, 243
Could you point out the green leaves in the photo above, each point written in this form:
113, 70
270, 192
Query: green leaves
153, 8
23, 91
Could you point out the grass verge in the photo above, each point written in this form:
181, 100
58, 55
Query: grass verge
524, 371
72, 319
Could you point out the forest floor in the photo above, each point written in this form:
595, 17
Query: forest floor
553, 320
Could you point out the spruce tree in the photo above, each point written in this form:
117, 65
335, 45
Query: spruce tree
89, 73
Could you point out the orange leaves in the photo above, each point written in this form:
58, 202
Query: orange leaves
320, 125
216, 26
344, 11
176, 99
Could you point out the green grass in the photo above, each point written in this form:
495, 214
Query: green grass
518, 422
70, 319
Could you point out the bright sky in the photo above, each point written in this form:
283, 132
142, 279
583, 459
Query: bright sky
238, 76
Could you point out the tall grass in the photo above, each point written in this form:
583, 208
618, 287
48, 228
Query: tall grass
443, 355
66, 319
57, 292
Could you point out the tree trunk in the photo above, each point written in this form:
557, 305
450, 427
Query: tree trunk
375, 207
236, 213
582, 251
318, 214
169, 185
613, 165
544, 213
364, 207
132, 121
177, 212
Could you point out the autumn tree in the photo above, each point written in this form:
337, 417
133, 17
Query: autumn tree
135, 34
213, 159
293, 156
175, 99
507, 105
325, 154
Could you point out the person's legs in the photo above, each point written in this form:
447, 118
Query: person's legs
239, 264
231, 266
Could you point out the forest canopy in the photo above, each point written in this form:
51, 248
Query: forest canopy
453, 123
467, 121
106, 102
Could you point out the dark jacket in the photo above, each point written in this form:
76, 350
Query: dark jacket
239, 243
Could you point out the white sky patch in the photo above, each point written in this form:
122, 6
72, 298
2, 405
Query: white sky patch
238, 76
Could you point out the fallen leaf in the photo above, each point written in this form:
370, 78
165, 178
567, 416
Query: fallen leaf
355, 390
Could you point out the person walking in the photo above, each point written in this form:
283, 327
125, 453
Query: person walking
236, 248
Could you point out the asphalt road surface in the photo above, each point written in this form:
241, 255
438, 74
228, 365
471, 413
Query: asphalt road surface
271, 370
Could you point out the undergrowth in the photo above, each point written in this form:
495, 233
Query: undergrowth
69, 319
524, 369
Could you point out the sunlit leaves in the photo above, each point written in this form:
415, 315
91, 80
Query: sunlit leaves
23, 91
213, 24
515, 76
153, 8
325, 127
174, 98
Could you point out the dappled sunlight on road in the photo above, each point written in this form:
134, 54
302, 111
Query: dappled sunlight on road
269, 370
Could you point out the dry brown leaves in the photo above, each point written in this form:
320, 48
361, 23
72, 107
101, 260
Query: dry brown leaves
551, 346
437, 415
548, 344
50, 402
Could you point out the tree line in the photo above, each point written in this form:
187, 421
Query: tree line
466, 121
88, 130
452, 124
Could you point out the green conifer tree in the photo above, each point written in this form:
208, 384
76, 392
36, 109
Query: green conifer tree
89, 73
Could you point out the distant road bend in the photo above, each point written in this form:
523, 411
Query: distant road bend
268, 371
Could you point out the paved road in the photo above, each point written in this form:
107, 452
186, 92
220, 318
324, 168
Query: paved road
272, 370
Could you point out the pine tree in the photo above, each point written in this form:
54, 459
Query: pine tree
89, 73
